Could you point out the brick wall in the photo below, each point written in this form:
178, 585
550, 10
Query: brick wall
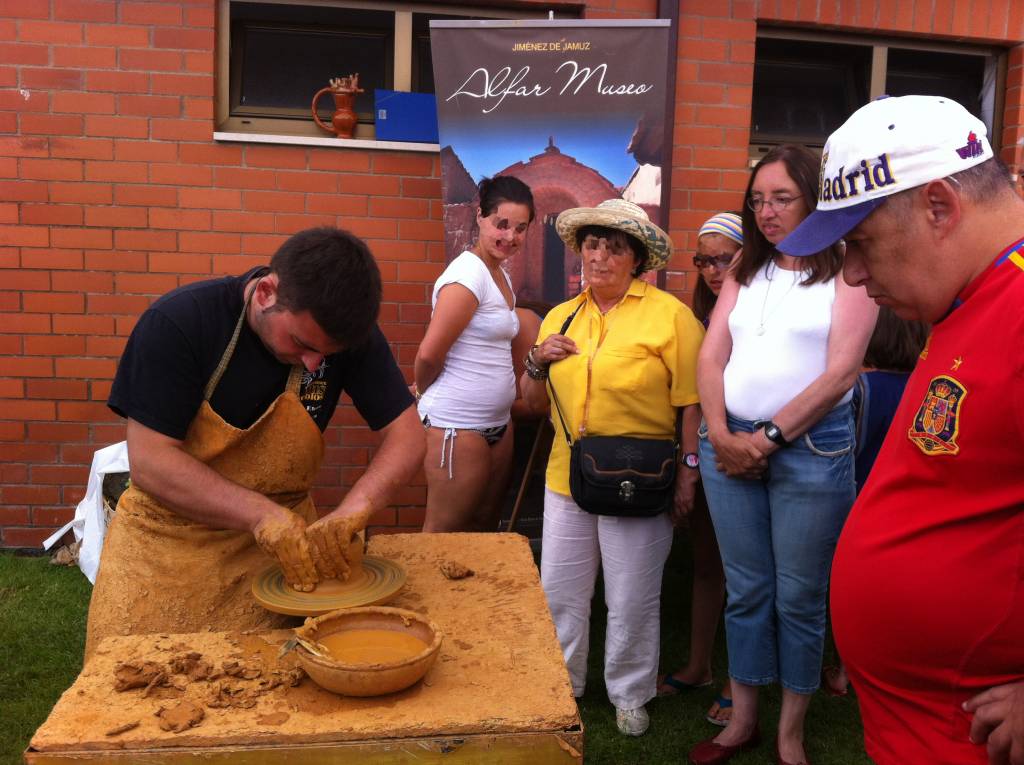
112, 191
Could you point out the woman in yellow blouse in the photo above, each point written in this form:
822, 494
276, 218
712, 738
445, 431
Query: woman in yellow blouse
626, 366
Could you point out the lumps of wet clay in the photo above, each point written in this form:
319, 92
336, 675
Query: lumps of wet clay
454, 570
130, 674
180, 717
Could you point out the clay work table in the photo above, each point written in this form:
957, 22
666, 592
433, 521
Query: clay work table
498, 692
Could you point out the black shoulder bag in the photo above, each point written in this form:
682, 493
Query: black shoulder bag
618, 475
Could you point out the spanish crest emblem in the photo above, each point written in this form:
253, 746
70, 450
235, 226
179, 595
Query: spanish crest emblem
937, 422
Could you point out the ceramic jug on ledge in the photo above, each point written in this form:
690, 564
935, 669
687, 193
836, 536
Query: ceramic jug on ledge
344, 90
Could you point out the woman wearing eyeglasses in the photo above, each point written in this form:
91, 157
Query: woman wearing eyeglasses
623, 365
718, 240
464, 378
776, 369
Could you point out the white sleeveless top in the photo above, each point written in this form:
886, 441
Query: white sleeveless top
477, 386
779, 331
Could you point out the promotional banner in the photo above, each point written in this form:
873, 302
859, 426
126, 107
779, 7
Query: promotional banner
574, 109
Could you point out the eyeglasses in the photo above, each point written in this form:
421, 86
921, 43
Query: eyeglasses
504, 224
775, 203
719, 263
593, 243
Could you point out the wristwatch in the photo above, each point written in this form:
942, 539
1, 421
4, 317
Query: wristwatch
774, 433
691, 460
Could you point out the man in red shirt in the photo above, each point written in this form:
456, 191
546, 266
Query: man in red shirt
928, 577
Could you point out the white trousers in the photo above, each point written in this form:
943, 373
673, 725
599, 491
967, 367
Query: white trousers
633, 552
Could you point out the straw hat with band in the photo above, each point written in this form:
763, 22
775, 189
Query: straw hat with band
623, 216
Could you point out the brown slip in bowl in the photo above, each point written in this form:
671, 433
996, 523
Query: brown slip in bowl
369, 679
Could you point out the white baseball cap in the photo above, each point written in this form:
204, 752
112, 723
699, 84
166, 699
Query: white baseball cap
889, 145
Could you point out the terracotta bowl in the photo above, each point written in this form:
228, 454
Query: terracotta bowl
368, 679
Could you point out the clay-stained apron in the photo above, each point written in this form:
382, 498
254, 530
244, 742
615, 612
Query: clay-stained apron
161, 572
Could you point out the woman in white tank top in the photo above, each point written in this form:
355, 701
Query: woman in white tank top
782, 352
464, 378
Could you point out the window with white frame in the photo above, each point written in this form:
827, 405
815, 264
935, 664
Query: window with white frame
274, 55
807, 84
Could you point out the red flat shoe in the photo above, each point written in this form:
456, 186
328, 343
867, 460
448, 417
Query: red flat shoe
709, 753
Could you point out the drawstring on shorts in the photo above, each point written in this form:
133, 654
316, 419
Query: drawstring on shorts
449, 440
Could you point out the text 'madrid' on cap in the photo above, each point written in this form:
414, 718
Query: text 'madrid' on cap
889, 145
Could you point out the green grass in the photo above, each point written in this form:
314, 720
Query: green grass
42, 634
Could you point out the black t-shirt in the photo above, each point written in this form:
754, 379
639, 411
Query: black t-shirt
178, 342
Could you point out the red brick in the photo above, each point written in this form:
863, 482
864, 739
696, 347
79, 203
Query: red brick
243, 178
52, 124
78, 411
117, 217
115, 260
340, 161
55, 516
727, 29
199, 16
24, 100
91, 238
50, 32
80, 148
21, 54
263, 201
335, 204
151, 60
274, 156
403, 164
213, 154
181, 130
82, 281
212, 199
12, 431
237, 264
117, 82
145, 196
59, 215
10, 388
384, 207
244, 222
149, 106
8, 214
85, 58
13, 516
70, 324
199, 63
150, 13
118, 304
83, 103
57, 389
117, 172
421, 229
54, 345
22, 191
116, 127
183, 220
117, 35
182, 84
46, 302
961, 17
85, 10
86, 193
174, 263
145, 151
145, 284
213, 243
24, 537
105, 346
290, 224
177, 38
180, 175
145, 240
24, 236
51, 169
421, 187
21, 409
404, 250
84, 367
8, 120
78, 453
319, 183
51, 78
57, 432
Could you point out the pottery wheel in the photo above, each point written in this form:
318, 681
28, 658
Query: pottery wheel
376, 582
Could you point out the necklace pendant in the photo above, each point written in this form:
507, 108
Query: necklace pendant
760, 330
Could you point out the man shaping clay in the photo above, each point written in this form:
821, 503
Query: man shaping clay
227, 386
928, 577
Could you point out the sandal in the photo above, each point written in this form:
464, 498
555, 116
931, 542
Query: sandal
723, 703
670, 685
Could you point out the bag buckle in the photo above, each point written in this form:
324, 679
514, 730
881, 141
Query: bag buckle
626, 491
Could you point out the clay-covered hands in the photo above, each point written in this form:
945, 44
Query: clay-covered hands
999, 723
281, 534
329, 539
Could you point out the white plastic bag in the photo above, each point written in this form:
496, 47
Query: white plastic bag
90, 522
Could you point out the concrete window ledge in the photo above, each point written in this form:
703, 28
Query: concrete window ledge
341, 143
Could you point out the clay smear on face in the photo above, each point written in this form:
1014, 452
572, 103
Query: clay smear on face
372, 646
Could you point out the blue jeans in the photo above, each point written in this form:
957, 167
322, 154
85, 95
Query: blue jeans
777, 535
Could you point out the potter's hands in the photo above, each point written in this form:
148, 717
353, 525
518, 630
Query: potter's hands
999, 723
686, 490
737, 455
282, 535
330, 538
553, 348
